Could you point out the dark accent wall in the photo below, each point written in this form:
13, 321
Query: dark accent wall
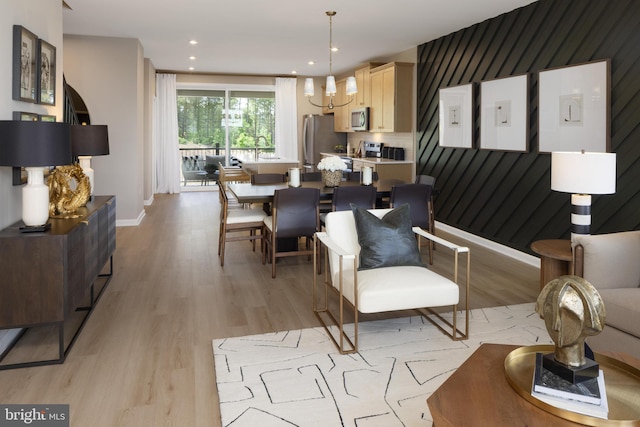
506, 196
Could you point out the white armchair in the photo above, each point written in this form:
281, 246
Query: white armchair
386, 288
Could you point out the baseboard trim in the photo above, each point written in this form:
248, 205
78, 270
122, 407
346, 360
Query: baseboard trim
131, 222
149, 201
489, 244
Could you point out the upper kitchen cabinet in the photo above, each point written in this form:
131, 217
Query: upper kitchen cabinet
391, 98
341, 122
363, 97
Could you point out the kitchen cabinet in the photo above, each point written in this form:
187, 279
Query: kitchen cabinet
363, 76
386, 168
341, 115
391, 98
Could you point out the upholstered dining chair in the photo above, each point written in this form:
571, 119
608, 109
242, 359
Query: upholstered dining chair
362, 196
234, 223
429, 180
418, 196
268, 178
295, 214
311, 176
355, 176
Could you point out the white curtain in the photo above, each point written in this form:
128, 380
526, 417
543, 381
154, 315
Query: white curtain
286, 137
166, 135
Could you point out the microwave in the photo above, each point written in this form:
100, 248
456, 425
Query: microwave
360, 119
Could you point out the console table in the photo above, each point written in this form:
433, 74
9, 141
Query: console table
48, 277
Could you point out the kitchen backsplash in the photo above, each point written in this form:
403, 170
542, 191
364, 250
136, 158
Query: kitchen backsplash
402, 140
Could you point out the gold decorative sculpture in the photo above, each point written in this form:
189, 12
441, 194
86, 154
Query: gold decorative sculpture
572, 310
62, 198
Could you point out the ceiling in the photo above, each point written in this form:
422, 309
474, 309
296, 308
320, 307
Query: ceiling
261, 37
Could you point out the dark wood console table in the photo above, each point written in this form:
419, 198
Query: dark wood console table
47, 278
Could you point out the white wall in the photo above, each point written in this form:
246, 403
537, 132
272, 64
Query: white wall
108, 73
44, 19
149, 96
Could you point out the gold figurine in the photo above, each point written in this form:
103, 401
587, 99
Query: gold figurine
572, 310
62, 198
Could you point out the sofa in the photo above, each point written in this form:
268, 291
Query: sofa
611, 263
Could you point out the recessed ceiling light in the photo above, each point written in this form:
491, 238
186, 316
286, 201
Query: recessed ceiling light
294, 72
311, 62
192, 58
191, 68
334, 49
192, 42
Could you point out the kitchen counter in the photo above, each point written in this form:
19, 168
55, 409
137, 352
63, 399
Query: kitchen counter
269, 165
369, 160
402, 170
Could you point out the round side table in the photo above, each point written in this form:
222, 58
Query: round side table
556, 259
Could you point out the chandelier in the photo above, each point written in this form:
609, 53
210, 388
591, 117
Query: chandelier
351, 88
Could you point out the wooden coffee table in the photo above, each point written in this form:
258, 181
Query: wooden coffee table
478, 394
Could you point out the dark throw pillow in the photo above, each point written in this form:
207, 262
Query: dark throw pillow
386, 241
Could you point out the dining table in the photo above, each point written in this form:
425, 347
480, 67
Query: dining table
263, 193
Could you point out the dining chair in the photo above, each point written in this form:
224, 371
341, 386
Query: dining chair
311, 176
235, 222
355, 176
418, 197
295, 214
429, 180
268, 178
362, 196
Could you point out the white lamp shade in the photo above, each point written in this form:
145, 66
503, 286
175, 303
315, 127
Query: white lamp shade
352, 86
331, 86
308, 87
583, 173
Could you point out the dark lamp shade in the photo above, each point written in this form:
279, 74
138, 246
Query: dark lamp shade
89, 140
27, 143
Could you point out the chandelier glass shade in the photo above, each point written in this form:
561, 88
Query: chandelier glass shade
330, 88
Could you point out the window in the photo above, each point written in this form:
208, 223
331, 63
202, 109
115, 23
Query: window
230, 122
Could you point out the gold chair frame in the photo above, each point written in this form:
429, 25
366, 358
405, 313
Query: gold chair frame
449, 328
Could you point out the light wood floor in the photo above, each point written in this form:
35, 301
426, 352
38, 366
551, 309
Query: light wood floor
144, 357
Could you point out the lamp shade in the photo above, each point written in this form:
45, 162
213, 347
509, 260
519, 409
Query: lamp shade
308, 87
89, 140
583, 173
27, 143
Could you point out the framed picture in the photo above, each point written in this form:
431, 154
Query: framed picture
47, 118
455, 113
574, 112
24, 116
47, 73
504, 114
25, 45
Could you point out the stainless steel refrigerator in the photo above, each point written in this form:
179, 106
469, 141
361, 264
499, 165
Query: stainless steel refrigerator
318, 137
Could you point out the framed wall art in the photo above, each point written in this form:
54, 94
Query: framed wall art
455, 113
574, 112
47, 118
47, 73
25, 116
504, 114
25, 45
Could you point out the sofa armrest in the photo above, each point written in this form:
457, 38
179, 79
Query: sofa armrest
422, 233
608, 261
456, 249
333, 246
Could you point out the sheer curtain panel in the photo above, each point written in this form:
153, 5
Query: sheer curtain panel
286, 135
166, 135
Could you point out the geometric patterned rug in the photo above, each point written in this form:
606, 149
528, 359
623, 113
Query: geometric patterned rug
298, 378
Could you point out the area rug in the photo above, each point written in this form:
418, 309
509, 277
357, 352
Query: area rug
298, 378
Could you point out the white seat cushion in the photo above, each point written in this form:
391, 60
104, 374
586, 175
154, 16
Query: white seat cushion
399, 288
239, 216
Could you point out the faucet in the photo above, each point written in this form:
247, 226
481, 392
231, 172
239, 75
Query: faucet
257, 140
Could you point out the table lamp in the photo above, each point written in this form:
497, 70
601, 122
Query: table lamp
583, 174
88, 141
34, 145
